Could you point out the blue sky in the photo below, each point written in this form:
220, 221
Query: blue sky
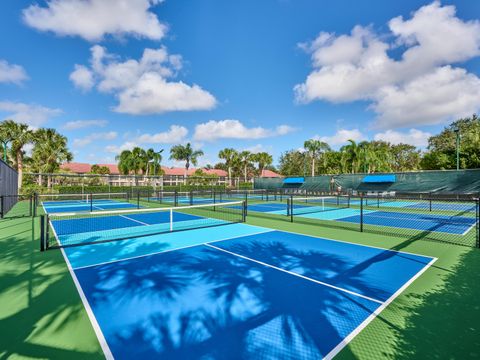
258, 75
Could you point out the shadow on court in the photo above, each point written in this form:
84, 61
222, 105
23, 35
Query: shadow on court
41, 313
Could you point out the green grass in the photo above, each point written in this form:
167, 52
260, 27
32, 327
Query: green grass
437, 317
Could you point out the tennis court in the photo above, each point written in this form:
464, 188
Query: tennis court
347, 210
59, 203
217, 291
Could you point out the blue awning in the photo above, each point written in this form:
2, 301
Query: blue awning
294, 180
391, 178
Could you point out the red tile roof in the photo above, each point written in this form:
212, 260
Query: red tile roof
269, 173
83, 168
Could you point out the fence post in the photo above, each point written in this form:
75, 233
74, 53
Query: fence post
42, 232
290, 207
361, 213
1, 206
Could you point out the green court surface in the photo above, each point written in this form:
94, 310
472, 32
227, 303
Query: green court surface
436, 317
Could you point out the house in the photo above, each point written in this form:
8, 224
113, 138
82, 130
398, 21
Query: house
171, 176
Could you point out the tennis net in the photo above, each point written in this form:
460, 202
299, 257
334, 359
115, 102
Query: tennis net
84, 202
70, 229
306, 205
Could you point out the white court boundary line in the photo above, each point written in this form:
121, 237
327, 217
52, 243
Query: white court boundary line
374, 314
295, 274
91, 316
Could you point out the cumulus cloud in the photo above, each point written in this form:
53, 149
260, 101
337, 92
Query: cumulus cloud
111, 135
80, 124
413, 137
31, 114
342, 136
117, 149
143, 86
358, 66
175, 134
82, 78
11, 73
93, 19
234, 129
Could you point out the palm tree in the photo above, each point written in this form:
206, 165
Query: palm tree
154, 160
351, 154
314, 149
50, 150
187, 154
124, 162
19, 135
229, 155
263, 159
245, 159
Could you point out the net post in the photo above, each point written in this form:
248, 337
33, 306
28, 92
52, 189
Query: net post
378, 200
361, 213
175, 198
290, 207
244, 211
91, 202
138, 199
30, 205
171, 220
42, 232
47, 230
477, 207
190, 197
430, 203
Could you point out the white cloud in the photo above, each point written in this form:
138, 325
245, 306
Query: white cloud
142, 86
175, 134
342, 136
80, 124
31, 114
82, 78
93, 19
11, 73
115, 149
234, 129
414, 137
111, 135
431, 99
358, 67
259, 148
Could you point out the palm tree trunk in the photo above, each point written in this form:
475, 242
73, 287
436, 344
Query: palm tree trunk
40, 179
313, 166
49, 181
245, 173
230, 175
20, 168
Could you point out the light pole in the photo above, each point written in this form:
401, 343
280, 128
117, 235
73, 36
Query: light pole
457, 133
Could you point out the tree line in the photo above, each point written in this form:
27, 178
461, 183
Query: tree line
50, 150
318, 157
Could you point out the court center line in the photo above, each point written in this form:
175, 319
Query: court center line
138, 221
295, 274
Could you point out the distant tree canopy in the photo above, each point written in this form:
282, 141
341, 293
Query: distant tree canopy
441, 152
96, 169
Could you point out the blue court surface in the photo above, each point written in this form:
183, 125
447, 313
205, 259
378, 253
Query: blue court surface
51, 207
457, 225
235, 291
